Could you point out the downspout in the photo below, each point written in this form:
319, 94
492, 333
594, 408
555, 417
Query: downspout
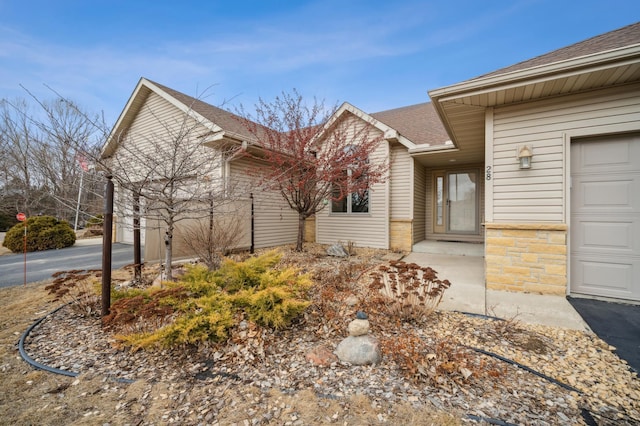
488, 188
388, 198
566, 203
252, 248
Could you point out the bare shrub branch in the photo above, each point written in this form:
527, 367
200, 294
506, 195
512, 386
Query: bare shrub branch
415, 291
213, 239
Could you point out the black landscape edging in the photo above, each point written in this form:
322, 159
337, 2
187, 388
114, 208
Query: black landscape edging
40, 366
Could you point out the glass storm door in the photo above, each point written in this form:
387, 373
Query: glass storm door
456, 205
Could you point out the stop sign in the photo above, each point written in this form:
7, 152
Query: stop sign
21, 217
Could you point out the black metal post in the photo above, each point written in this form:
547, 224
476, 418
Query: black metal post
106, 247
137, 254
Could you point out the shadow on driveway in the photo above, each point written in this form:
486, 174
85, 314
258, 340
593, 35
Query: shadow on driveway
618, 324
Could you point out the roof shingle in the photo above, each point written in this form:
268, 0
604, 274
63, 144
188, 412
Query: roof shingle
622, 37
228, 121
419, 123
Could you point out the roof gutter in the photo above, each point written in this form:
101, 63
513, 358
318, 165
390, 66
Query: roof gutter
448, 146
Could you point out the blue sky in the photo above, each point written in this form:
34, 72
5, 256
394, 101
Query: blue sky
375, 54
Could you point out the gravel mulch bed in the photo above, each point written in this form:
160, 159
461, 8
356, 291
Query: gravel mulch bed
196, 380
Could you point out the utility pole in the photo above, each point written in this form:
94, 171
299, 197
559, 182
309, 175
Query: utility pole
75, 223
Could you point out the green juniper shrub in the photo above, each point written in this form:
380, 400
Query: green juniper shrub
277, 300
236, 276
43, 233
209, 301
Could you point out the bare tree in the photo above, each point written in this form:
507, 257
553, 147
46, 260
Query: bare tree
309, 160
165, 174
67, 140
172, 174
40, 171
23, 187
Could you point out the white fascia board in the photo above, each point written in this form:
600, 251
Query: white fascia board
593, 62
111, 139
214, 137
388, 132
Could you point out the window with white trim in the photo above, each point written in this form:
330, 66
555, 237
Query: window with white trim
355, 202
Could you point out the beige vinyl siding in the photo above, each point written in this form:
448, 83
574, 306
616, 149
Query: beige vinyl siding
275, 223
419, 201
400, 182
364, 229
158, 120
538, 194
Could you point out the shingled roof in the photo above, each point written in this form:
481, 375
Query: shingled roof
622, 37
419, 123
226, 120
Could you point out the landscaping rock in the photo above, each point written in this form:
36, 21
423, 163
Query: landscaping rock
359, 350
337, 250
351, 300
358, 327
321, 356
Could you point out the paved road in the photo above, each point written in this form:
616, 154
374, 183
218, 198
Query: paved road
41, 264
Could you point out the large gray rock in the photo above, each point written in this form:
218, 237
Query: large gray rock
337, 250
359, 350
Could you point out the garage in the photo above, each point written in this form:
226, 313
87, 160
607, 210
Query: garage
605, 217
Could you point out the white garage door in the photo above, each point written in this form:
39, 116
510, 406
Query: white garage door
605, 217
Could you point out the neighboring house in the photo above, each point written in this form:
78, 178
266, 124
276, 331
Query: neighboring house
570, 222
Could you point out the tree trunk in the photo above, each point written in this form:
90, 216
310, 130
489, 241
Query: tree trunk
168, 243
301, 223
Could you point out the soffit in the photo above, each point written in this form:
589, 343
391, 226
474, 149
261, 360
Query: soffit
462, 107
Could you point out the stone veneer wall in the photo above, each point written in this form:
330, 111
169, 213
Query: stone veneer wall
401, 234
528, 257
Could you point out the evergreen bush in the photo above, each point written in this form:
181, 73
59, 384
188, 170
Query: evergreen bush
268, 296
43, 233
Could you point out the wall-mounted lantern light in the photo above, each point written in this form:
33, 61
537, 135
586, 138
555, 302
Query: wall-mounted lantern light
524, 156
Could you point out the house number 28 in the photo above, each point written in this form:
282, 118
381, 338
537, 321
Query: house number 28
488, 173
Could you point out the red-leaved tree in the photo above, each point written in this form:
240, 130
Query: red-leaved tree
309, 156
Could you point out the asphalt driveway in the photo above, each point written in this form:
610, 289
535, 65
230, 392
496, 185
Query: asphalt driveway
618, 324
42, 264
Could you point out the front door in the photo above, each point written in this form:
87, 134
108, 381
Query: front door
456, 203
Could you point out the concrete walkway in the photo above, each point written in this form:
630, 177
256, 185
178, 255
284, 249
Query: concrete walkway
468, 294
